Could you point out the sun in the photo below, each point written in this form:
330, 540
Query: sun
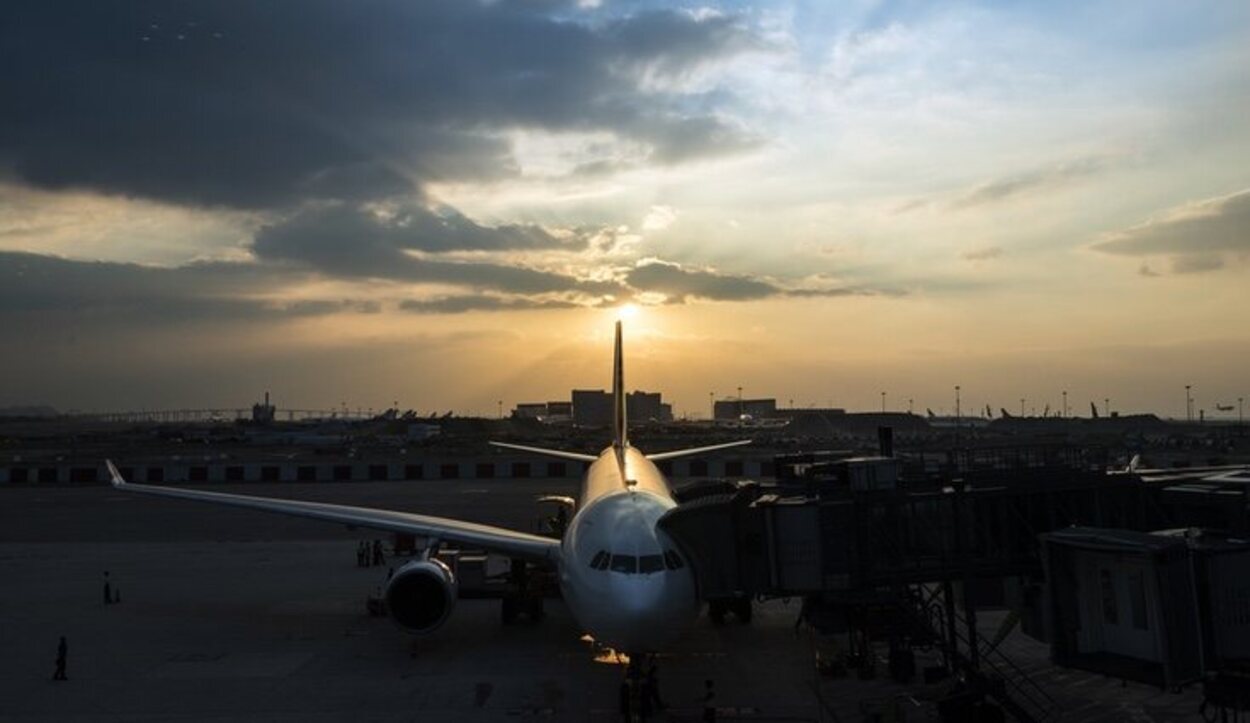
627, 312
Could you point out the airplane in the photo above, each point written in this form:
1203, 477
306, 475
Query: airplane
623, 579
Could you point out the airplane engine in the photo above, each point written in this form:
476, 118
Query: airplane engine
420, 595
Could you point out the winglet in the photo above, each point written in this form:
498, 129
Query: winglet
116, 477
620, 422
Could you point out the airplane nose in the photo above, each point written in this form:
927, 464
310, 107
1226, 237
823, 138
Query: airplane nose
645, 618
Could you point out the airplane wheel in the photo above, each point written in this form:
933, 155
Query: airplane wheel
743, 610
536, 611
508, 611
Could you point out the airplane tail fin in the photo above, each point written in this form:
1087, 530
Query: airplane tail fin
620, 435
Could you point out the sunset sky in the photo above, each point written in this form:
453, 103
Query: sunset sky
445, 203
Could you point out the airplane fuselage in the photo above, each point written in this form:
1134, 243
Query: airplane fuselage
622, 577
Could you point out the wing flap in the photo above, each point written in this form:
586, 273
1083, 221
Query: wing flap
510, 542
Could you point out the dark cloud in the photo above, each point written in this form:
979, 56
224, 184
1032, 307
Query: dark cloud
681, 285
1197, 237
1210, 226
677, 140
461, 304
348, 242
349, 228
263, 104
1042, 179
88, 290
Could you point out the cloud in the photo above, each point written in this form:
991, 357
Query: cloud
1196, 263
240, 104
461, 304
87, 290
679, 284
412, 227
1212, 225
659, 218
984, 254
1197, 236
342, 241
1041, 179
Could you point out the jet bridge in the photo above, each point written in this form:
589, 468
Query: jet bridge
908, 559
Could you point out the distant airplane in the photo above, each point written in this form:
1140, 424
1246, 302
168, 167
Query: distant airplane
620, 575
1224, 407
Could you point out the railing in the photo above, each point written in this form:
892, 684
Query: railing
1005, 681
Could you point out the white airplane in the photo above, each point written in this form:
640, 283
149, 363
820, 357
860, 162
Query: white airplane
622, 578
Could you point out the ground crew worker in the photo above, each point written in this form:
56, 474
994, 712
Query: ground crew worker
62, 650
709, 702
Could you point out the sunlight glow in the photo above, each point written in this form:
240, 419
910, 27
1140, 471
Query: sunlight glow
627, 312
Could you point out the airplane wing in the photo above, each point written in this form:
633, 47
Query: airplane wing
557, 453
1218, 473
498, 539
695, 450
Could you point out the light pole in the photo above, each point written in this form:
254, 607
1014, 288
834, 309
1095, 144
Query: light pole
957, 411
1106, 406
1239, 399
883, 402
711, 404
1189, 405
1065, 404
741, 407
909, 405
1021, 406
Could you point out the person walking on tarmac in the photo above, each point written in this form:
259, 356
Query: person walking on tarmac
709, 702
62, 651
651, 687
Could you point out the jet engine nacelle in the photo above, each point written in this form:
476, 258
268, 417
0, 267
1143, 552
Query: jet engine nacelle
421, 594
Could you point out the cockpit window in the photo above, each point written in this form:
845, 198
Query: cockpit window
673, 560
600, 560
624, 563
650, 563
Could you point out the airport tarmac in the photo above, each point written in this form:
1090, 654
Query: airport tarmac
238, 615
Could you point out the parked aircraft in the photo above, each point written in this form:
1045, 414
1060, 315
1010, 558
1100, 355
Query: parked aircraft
623, 579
